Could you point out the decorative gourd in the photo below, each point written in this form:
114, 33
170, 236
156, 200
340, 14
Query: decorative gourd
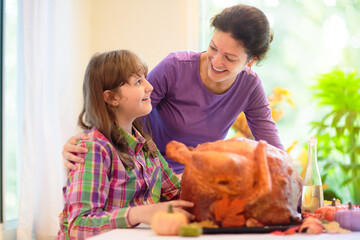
328, 212
190, 230
168, 223
349, 218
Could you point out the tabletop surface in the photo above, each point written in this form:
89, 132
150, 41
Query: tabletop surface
144, 232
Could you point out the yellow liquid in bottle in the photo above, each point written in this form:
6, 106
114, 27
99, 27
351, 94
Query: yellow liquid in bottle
312, 198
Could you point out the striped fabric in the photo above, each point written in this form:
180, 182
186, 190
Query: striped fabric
99, 194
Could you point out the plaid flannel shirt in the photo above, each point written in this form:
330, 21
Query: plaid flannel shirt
99, 194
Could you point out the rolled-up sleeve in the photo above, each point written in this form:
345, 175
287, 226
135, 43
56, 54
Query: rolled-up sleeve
170, 186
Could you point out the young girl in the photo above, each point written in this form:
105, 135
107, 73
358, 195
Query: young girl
124, 176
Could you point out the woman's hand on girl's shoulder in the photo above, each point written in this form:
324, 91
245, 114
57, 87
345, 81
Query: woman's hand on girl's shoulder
70, 147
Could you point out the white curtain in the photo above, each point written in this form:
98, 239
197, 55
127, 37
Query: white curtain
49, 112
57, 40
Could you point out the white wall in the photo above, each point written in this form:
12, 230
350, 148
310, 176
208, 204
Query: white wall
150, 28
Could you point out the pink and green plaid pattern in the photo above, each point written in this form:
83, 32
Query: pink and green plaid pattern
99, 194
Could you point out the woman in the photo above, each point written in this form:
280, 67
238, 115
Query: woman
124, 177
198, 96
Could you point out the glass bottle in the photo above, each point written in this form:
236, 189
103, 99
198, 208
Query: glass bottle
312, 194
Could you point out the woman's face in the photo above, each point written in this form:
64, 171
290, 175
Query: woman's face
226, 57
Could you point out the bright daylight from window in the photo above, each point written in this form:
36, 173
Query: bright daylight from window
11, 120
311, 38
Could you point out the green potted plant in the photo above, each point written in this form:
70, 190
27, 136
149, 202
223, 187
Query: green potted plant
337, 93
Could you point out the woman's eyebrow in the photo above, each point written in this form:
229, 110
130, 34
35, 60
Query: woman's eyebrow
230, 54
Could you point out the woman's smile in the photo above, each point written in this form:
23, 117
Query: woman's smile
217, 70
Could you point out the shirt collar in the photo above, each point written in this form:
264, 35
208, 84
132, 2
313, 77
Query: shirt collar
136, 141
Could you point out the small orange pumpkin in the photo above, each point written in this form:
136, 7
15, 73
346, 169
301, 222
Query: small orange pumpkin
328, 212
168, 223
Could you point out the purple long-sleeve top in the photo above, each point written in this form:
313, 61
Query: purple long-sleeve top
186, 111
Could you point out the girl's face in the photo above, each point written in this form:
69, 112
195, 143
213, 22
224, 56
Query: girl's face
226, 58
134, 98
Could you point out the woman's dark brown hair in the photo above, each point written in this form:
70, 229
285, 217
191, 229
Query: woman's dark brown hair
108, 71
249, 26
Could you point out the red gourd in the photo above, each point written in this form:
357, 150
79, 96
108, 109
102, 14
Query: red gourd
349, 218
328, 212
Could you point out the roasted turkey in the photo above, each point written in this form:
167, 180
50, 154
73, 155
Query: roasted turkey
238, 182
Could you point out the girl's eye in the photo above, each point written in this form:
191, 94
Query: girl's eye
138, 82
212, 48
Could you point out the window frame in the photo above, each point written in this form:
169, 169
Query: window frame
1, 108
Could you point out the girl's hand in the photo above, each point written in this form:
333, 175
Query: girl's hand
69, 148
144, 213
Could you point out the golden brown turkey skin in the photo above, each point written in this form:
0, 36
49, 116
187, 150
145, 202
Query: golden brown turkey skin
231, 181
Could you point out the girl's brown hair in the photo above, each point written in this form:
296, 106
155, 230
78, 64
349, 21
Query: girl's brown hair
108, 71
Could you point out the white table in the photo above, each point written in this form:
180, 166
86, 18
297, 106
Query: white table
144, 232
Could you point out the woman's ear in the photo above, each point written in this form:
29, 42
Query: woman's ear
110, 98
252, 61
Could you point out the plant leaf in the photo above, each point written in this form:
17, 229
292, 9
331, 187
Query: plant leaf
328, 165
357, 149
345, 167
340, 130
350, 121
337, 117
349, 180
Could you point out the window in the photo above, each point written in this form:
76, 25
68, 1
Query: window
1, 94
310, 38
9, 113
